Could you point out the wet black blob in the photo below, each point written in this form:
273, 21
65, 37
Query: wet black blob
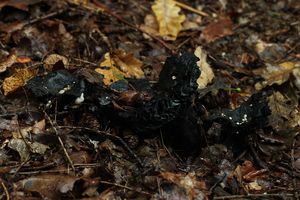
170, 109
179, 75
58, 83
239, 123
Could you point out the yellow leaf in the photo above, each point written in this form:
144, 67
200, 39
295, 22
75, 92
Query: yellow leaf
207, 73
120, 65
17, 80
168, 17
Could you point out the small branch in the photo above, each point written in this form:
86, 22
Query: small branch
5, 190
184, 6
125, 187
293, 166
253, 196
61, 142
20, 25
110, 136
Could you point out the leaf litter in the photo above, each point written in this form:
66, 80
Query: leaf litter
149, 100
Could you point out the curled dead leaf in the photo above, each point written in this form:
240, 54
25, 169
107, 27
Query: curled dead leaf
207, 73
52, 59
8, 62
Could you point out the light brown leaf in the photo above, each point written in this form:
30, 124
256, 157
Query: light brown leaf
278, 74
8, 62
168, 17
20, 4
120, 65
52, 59
284, 115
20, 146
189, 182
207, 73
39, 127
17, 80
24, 148
215, 30
49, 186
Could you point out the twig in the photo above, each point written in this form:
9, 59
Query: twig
184, 6
126, 187
253, 196
105, 39
5, 190
111, 136
213, 187
61, 142
85, 61
293, 166
26, 23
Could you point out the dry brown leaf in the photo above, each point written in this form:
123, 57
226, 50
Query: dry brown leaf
39, 127
120, 65
278, 74
150, 26
189, 182
253, 186
17, 80
49, 186
269, 52
215, 30
168, 17
52, 59
284, 115
20, 4
10, 125
207, 73
24, 148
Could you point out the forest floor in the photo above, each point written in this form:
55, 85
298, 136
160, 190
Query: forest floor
152, 100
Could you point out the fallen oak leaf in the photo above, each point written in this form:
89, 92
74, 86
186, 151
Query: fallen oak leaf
168, 17
17, 80
109, 70
120, 65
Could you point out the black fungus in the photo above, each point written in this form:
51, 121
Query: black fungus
55, 84
170, 107
239, 124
